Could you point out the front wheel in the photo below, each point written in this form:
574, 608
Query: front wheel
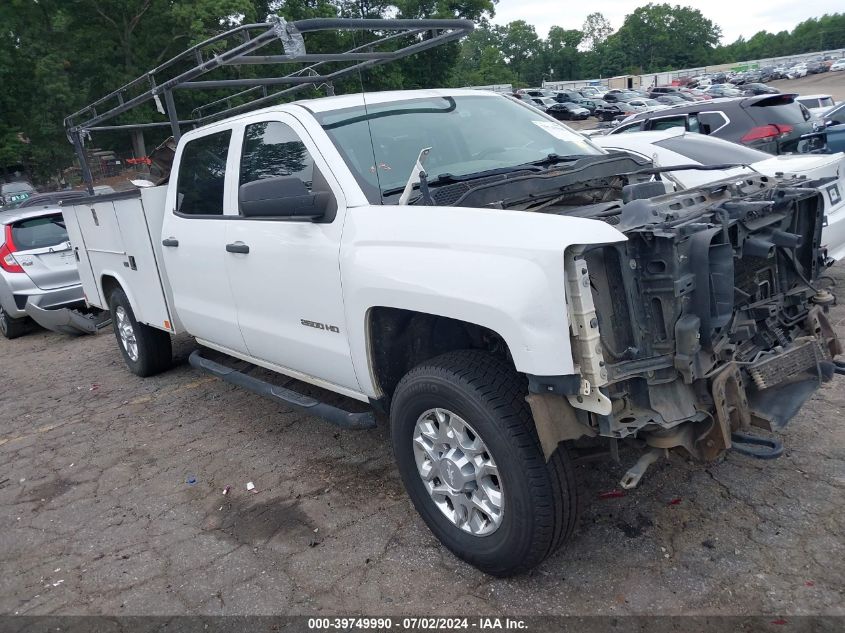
470, 459
146, 350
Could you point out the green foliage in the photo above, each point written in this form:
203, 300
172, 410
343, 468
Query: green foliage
58, 55
596, 30
659, 36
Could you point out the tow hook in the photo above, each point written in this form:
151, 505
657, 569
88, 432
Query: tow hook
755, 446
636, 472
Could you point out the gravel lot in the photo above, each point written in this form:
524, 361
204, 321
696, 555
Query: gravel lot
98, 517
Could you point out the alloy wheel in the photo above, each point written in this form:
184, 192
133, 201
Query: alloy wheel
458, 472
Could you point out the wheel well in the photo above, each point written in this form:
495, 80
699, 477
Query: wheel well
402, 339
109, 284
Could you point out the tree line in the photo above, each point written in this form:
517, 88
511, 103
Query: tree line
653, 38
58, 55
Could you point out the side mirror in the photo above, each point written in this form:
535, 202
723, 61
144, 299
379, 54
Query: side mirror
281, 197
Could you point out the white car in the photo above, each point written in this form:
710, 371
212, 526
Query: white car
799, 70
839, 64
818, 105
675, 147
646, 105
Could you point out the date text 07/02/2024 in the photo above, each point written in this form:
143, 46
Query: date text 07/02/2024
417, 623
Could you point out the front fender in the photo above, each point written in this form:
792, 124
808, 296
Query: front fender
502, 270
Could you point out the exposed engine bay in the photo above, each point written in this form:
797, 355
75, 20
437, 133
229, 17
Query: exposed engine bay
709, 320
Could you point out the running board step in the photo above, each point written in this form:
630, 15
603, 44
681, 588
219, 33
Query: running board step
301, 402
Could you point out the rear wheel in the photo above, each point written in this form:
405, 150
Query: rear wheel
11, 327
470, 459
146, 350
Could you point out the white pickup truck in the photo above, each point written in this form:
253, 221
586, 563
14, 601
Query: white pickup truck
522, 296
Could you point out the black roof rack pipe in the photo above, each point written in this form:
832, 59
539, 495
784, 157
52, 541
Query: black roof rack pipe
148, 77
443, 31
318, 79
196, 71
250, 38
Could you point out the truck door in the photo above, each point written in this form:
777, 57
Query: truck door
286, 277
194, 242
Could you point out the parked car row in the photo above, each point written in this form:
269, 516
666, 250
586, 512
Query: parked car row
765, 74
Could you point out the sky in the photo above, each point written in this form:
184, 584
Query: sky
743, 18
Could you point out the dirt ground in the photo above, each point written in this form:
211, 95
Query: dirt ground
98, 515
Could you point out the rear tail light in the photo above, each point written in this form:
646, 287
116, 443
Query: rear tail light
7, 257
761, 132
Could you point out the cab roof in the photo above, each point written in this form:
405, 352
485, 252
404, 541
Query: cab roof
341, 102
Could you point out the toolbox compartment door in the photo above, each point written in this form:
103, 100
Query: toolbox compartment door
118, 238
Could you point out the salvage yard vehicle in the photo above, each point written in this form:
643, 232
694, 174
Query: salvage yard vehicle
818, 105
834, 131
771, 123
568, 111
15, 191
509, 299
38, 277
611, 111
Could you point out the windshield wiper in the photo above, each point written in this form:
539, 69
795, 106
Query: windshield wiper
447, 178
553, 159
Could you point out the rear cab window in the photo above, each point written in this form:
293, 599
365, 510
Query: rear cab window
41, 232
202, 174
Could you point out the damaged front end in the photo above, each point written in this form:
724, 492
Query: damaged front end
707, 322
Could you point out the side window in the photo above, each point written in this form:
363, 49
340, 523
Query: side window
631, 127
710, 122
273, 149
667, 123
202, 172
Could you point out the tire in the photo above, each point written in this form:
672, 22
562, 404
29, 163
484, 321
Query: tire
146, 350
540, 499
11, 327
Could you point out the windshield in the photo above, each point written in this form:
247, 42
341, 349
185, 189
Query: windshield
458, 131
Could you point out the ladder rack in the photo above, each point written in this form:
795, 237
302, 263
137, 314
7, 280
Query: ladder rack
236, 47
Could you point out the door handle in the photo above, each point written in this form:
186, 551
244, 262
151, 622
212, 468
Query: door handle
170, 241
237, 247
